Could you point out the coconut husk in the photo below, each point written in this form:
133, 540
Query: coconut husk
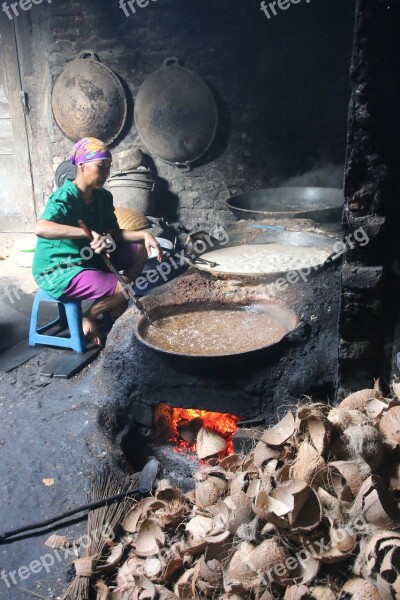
343, 539
347, 477
331, 556
237, 511
331, 505
150, 540
359, 589
369, 560
309, 465
281, 432
269, 473
342, 418
209, 443
263, 453
248, 531
268, 558
295, 505
207, 529
364, 442
210, 486
265, 557
231, 463
308, 411
164, 593
374, 409
188, 430
103, 592
254, 488
320, 434
56, 541
208, 576
396, 389
358, 400
239, 483
266, 596
139, 513
297, 592
311, 419
184, 587
375, 504
270, 510
306, 571
322, 593
388, 580
389, 427
238, 576
113, 559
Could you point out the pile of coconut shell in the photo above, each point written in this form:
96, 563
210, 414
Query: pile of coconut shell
310, 513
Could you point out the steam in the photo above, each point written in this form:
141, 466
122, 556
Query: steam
327, 175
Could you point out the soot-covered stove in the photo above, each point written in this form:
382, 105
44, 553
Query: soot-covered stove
145, 389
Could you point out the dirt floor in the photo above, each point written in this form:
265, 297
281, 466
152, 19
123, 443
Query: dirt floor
49, 449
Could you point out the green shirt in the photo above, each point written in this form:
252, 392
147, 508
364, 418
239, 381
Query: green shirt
56, 262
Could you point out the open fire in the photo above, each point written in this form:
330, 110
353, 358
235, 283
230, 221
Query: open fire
209, 434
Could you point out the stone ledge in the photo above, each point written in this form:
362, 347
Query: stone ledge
361, 278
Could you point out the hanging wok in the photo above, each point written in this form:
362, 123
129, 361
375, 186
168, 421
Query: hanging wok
176, 114
316, 203
88, 100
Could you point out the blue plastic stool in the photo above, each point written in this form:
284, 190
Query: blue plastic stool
70, 313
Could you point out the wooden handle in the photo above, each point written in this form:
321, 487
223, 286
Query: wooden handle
86, 229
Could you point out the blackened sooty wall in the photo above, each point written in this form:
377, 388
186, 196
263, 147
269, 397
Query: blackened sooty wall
281, 84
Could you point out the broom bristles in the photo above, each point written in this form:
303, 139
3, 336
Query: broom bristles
99, 520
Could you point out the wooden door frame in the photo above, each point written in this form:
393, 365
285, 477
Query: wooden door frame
25, 220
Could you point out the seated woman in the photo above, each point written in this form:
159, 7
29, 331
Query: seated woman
66, 264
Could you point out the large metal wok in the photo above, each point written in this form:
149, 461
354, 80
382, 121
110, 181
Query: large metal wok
292, 238
317, 203
279, 312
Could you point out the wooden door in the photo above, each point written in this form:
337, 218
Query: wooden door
17, 205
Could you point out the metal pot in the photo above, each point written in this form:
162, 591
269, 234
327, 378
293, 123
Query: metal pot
278, 311
88, 100
317, 203
292, 238
176, 114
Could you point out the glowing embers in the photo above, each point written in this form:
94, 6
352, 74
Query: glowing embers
209, 434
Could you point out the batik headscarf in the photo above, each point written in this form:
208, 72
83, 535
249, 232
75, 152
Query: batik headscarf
88, 149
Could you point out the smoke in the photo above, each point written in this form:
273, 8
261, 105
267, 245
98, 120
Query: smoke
327, 175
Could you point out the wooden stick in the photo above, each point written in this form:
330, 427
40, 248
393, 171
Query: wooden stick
128, 292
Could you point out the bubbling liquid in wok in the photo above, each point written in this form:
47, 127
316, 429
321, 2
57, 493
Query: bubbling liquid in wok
215, 332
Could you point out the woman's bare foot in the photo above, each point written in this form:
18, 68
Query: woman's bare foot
90, 331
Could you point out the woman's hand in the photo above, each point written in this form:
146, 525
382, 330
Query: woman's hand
151, 242
99, 243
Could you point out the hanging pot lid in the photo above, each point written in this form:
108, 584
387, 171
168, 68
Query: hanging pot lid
65, 170
88, 100
176, 114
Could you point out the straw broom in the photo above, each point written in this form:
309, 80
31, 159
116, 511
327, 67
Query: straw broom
104, 485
